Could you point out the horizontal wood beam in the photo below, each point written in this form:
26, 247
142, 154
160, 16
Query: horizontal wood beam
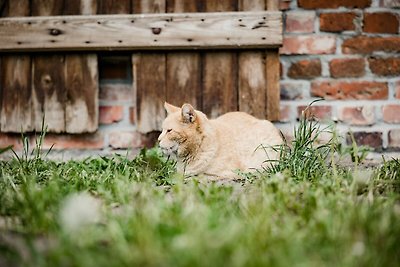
142, 32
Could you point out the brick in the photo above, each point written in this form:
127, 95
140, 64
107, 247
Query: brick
11, 139
394, 138
371, 139
391, 113
125, 139
115, 68
300, 22
350, 90
116, 92
308, 45
305, 69
292, 90
314, 4
385, 66
317, 112
110, 114
397, 89
361, 116
285, 112
382, 22
389, 3
367, 45
347, 67
80, 141
337, 22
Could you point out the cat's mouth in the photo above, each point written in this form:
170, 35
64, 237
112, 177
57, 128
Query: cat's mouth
170, 151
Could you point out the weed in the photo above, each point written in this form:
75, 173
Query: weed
304, 158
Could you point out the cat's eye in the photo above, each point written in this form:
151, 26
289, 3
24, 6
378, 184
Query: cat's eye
169, 130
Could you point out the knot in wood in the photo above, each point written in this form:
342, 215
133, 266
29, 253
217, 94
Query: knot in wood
46, 81
55, 32
156, 30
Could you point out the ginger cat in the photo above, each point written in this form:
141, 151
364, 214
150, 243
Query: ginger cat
219, 147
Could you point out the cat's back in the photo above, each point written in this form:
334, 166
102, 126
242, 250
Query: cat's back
243, 124
242, 137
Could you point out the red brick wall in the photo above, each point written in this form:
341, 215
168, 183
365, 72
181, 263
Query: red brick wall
347, 52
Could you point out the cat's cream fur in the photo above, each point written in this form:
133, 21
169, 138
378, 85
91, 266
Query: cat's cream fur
217, 148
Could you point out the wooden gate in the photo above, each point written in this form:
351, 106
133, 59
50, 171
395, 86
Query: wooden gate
218, 55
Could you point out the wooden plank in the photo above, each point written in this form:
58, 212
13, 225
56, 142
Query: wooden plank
114, 7
15, 81
16, 113
272, 5
65, 86
273, 75
183, 82
80, 7
149, 6
220, 72
183, 68
252, 83
81, 106
47, 7
149, 78
219, 83
151, 31
273, 90
180, 6
49, 92
252, 75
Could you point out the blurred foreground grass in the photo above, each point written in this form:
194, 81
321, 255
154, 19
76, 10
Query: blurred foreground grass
305, 211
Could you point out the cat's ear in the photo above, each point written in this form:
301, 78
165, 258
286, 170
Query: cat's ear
170, 108
188, 113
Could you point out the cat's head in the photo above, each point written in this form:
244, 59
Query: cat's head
182, 131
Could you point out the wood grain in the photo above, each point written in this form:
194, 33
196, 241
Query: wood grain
80, 7
114, 6
273, 90
252, 83
252, 74
273, 5
15, 83
183, 68
149, 6
219, 83
49, 92
47, 7
149, 75
220, 72
273, 75
15, 80
151, 31
81, 106
81, 83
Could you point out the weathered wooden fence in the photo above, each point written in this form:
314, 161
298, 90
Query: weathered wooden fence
219, 62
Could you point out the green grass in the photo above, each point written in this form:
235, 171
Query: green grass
111, 211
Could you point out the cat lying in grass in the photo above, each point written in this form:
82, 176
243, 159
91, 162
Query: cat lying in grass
220, 147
